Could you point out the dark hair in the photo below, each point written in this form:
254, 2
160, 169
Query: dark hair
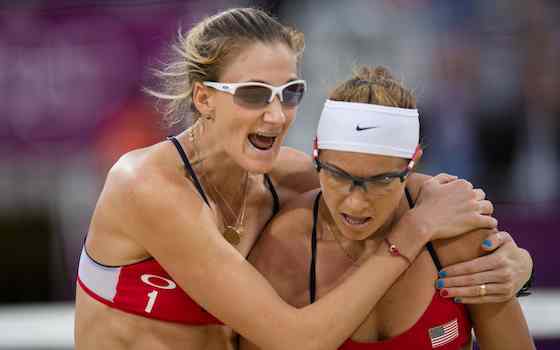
205, 50
375, 86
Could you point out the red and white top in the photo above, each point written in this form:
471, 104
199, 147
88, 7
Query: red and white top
142, 288
145, 288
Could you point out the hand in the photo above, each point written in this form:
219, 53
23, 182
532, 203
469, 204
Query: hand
504, 272
447, 207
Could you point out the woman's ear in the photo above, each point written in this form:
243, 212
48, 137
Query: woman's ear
203, 98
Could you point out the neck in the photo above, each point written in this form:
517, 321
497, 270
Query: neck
212, 164
358, 250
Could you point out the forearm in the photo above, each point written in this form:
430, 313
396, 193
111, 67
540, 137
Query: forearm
366, 286
501, 326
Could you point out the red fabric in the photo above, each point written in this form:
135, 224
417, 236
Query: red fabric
440, 311
146, 289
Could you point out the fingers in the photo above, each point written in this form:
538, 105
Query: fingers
496, 240
493, 276
482, 300
484, 221
479, 194
444, 178
480, 264
500, 291
485, 207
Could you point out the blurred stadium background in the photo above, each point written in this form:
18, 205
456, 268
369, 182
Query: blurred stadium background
486, 73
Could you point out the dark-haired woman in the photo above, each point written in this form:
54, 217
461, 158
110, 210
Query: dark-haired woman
367, 147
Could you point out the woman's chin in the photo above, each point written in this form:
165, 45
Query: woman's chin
259, 160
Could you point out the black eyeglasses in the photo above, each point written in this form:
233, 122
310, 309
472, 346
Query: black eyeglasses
373, 182
258, 95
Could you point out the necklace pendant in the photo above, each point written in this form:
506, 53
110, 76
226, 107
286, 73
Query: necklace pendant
232, 235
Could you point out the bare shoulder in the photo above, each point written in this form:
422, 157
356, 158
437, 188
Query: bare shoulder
293, 172
414, 183
458, 249
282, 252
288, 231
462, 248
141, 185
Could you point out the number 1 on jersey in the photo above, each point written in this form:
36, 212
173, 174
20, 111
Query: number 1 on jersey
151, 301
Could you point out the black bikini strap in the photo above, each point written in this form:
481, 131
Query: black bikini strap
188, 167
409, 198
435, 258
275, 198
429, 246
312, 265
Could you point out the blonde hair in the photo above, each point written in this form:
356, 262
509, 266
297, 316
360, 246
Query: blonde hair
207, 48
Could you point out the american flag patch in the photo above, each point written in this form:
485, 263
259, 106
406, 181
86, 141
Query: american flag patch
444, 334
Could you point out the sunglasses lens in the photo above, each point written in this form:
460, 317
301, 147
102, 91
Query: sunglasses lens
292, 94
252, 96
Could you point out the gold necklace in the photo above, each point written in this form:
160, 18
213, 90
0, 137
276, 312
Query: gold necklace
348, 255
231, 233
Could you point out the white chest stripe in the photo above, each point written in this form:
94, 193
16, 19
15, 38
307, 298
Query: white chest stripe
101, 280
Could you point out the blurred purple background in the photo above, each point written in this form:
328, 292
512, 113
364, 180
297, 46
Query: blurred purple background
486, 73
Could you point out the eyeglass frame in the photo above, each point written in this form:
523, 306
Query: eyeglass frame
362, 181
274, 90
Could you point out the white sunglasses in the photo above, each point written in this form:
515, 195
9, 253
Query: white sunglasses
258, 95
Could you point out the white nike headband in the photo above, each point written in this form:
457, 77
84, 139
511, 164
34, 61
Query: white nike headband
368, 128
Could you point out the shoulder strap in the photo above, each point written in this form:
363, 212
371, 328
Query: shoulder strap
275, 198
429, 246
313, 263
189, 168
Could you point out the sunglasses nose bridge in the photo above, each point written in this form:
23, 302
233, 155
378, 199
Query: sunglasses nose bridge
276, 92
358, 183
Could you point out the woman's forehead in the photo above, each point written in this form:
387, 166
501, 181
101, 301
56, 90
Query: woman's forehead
272, 63
363, 164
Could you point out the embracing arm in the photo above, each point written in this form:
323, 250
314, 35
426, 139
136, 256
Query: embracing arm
175, 226
508, 266
497, 325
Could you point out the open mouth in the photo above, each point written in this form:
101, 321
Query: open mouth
261, 141
356, 220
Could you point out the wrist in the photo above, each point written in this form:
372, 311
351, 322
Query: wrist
409, 235
416, 223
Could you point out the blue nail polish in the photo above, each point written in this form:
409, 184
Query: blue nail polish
487, 243
457, 300
442, 274
440, 284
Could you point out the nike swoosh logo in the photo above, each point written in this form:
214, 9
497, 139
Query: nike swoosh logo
358, 128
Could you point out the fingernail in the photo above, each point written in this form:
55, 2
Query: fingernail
442, 274
444, 293
440, 284
457, 300
487, 243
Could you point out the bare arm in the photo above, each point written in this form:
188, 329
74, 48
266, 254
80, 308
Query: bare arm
497, 325
166, 216
179, 231
508, 266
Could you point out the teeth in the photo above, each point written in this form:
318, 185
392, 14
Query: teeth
355, 221
266, 134
258, 142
